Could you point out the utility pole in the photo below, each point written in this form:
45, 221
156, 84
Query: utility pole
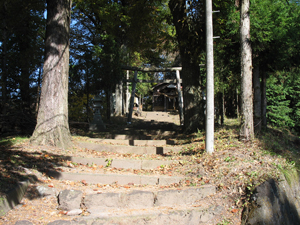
209, 139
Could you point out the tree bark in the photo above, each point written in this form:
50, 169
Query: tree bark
264, 100
257, 99
190, 46
108, 105
52, 122
87, 106
247, 129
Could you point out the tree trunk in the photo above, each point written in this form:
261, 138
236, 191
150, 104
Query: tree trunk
190, 46
257, 99
194, 117
223, 107
87, 106
264, 100
237, 103
108, 105
247, 130
52, 122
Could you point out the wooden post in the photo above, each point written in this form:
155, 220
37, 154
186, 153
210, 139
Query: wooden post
180, 98
126, 98
118, 98
132, 97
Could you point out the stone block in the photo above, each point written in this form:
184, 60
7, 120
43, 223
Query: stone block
70, 199
139, 199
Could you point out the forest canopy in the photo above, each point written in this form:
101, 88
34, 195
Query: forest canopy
105, 35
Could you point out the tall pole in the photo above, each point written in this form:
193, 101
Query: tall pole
209, 141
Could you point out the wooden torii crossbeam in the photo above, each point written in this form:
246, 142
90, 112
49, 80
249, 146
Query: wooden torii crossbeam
151, 69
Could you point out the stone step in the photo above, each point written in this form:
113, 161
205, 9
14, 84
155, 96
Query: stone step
123, 149
113, 206
100, 204
132, 142
166, 216
128, 136
122, 179
188, 215
185, 206
122, 163
13, 197
138, 134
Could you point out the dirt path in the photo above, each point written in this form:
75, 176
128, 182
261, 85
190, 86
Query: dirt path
167, 117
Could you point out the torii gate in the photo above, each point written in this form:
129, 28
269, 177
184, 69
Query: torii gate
135, 80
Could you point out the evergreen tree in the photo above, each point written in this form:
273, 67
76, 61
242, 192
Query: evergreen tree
52, 122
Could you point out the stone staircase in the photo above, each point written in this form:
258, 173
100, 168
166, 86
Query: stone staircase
150, 204
151, 199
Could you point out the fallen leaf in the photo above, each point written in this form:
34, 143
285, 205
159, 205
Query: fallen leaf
234, 210
84, 182
62, 213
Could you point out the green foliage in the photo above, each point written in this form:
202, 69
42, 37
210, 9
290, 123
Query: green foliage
283, 95
78, 110
109, 59
22, 30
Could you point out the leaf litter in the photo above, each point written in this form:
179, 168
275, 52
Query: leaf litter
234, 168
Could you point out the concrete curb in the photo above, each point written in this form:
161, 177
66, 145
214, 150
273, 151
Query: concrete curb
13, 197
129, 149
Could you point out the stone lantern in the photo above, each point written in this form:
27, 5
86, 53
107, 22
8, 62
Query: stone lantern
97, 123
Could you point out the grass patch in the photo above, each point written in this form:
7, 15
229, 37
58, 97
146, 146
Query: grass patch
9, 141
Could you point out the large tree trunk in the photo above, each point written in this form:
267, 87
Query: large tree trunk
52, 122
257, 99
190, 46
194, 117
247, 130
